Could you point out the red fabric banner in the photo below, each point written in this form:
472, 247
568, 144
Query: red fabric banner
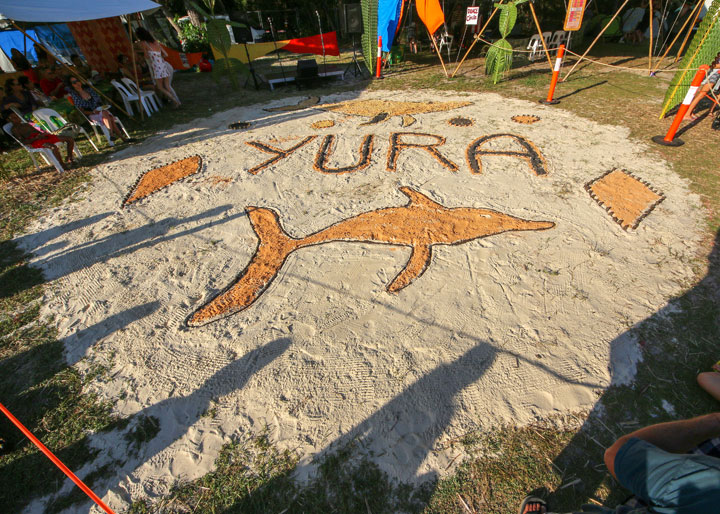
313, 45
101, 41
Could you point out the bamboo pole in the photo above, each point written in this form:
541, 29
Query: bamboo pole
438, 52
73, 72
596, 39
141, 106
479, 34
650, 44
542, 38
687, 36
677, 36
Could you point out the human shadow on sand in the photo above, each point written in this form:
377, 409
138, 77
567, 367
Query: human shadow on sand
154, 429
672, 358
103, 249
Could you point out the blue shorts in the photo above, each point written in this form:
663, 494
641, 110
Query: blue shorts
669, 482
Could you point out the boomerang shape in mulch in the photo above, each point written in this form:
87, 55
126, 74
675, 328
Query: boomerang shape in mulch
158, 178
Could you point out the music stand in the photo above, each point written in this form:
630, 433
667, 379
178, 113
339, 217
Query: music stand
354, 64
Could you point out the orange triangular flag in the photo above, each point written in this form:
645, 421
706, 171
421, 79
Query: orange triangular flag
430, 13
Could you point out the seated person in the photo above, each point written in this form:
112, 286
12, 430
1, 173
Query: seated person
19, 60
45, 60
634, 23
87, 101
30, 136
126, 70
708, 83
710, 381
21, 63
81, 67
654, 464
40, 97
51, 83
18, 97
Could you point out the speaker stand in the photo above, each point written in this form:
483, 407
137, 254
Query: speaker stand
354, 64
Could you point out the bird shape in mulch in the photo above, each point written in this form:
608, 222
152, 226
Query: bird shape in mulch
420, 224
381, 110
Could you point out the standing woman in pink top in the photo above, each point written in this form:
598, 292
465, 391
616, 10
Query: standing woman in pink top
160, 69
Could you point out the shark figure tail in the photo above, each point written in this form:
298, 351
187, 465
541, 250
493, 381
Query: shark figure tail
273, 248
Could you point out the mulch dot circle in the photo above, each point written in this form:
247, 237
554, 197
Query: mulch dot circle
460, 122
525, 119
323, 124
239, 125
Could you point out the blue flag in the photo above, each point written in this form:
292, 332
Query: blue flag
389, 12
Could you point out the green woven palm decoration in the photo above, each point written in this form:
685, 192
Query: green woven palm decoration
702, 50
499, 57
369, 35
219, 38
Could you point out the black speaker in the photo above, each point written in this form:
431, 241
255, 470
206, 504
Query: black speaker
352, 22
306, 73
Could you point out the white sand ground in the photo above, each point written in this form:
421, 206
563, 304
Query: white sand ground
504, 329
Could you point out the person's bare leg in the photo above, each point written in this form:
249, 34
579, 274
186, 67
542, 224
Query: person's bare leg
161, 87
674, 436
109, 121
170, 88
54, 150
696, 100
69, 146
710, 381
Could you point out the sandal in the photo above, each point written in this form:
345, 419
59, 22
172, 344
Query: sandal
531, 500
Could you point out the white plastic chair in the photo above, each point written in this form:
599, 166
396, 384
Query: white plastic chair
98, 124
53, 119
536, 47
153, 100
446, 40
106, 132
128, 97
558, 38
45, 153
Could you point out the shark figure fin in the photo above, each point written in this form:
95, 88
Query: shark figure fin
417, 198
416, 266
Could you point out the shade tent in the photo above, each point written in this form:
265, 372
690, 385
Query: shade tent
70, 10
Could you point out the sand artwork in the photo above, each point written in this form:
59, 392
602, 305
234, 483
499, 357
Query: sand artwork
525, 119
398, 287
459, 121
158, 178
626, 198
420, 225
322, 124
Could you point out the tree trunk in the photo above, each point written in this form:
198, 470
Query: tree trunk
172, 23
194, 17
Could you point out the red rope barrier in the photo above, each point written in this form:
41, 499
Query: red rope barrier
55, 460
